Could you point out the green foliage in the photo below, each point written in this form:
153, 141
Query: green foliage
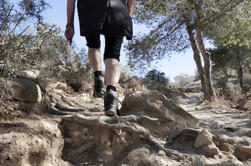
168, 31
232, 62
221, 58
232, 28
228, 57
156, 80
43, 48
232, 36
13, 14
33, 8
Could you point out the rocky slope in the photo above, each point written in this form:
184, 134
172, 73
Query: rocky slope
69, 128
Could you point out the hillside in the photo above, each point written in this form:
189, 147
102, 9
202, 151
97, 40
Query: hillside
64, 127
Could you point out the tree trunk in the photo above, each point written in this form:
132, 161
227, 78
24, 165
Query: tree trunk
206, 57
240, 70
197, 59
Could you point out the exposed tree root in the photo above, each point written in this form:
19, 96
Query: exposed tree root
123, 123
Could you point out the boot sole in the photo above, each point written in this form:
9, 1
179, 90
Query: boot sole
98, 95
110, 113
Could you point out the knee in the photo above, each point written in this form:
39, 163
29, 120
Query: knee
112, 62
109, 57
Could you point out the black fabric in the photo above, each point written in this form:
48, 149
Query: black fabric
98, 73
112, 44
93, 40
105, 17
110, 87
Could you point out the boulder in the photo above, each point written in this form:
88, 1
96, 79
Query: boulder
154, 104
24, 90
203, 138
247, 105
243, 153
32, 74
211, 150
138, 156
143, 157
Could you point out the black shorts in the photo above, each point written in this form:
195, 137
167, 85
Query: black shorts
112, 44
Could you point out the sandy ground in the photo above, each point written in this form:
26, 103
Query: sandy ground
38, 140
218, 117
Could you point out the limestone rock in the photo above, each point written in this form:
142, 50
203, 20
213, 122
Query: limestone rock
143, 157
32, 74
203, 138
25, 148
243, 153
138, 155
50, 87
24, 90
198, 160
155, 104
211, 150
247, 106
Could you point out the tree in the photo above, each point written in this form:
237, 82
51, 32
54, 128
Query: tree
156, 79
175, 25
233, 58
233, 40
12, 15
33, 8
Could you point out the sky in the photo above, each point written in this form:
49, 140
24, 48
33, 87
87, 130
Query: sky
177, 64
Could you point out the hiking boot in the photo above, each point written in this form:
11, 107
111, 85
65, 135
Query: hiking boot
110, 103
99, 89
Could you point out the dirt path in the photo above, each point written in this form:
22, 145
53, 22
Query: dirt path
218, 118
78, 133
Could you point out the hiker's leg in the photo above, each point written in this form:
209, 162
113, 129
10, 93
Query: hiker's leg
112, 73
111, 59
95, 59
93, 43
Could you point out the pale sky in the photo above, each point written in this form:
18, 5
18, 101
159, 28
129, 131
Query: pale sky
179, 63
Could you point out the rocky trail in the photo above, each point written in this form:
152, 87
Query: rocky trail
231, 127
218, 117
71, 129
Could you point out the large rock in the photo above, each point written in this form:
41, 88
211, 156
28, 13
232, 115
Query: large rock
30, 142
155, 104
143, 157
32, 74
247, 105
243, 153
203, 138
211, 150
24, 90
